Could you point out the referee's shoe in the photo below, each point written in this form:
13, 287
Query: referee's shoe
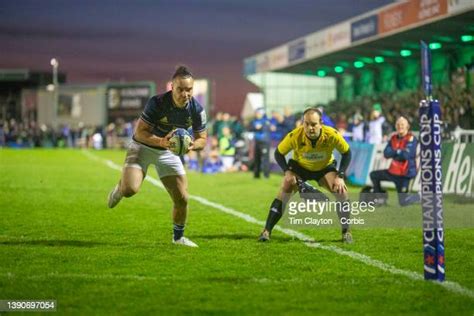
264, 236
347, 237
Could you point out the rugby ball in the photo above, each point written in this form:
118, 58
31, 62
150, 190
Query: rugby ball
180, 141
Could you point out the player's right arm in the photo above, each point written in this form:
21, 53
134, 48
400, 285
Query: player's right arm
144, 134
290, 176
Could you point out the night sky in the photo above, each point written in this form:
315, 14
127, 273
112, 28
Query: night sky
98, 41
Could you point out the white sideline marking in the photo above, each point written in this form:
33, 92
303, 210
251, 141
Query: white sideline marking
308, 241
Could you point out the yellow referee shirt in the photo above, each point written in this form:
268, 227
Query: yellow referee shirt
317, 157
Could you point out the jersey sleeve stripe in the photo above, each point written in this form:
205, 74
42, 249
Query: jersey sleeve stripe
200, 130
146, 120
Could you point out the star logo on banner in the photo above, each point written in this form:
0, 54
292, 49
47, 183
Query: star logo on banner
430, 260
441, 260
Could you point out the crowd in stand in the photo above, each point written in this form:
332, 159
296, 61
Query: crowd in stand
456, 106
29, 134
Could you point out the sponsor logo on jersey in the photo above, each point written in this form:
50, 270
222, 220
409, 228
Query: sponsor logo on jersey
315, 156
189, 121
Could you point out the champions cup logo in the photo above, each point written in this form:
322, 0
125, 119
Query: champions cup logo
431, 189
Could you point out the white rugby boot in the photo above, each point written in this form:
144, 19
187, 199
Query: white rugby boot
185, 242
114, 197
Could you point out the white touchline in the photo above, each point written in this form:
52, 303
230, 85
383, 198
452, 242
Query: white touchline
308, 241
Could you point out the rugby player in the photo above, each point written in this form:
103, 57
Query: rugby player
150, 146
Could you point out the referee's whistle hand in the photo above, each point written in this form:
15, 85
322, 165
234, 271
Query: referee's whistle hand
290, 178
339, 186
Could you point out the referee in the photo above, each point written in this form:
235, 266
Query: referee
312, 145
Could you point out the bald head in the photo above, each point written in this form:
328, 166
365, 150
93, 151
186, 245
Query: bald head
312, 123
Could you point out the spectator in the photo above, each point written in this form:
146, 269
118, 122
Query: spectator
326, 119
236, 127
402, 150
375, 131
261, 128
225, 122
289, 120
227, 150
217, 124
276, 126
357, 128
212, 163
97, 140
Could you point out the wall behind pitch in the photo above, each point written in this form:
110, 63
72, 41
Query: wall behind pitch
74, 106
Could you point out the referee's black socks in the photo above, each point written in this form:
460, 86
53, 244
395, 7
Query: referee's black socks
274, 215
344, 214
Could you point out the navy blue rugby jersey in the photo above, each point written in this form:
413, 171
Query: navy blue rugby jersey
161, 113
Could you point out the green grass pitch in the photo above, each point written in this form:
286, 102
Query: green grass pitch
59, 241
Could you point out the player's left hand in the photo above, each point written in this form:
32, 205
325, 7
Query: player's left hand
339, 186
191, 147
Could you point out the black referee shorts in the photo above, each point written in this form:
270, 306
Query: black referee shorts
305, 174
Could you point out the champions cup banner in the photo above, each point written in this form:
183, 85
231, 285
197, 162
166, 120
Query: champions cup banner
426, 69
432, 190
410, 12
431, 176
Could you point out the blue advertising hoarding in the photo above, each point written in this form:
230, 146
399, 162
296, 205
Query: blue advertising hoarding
364, 28
297, 51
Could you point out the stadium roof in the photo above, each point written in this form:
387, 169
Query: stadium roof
384, 32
